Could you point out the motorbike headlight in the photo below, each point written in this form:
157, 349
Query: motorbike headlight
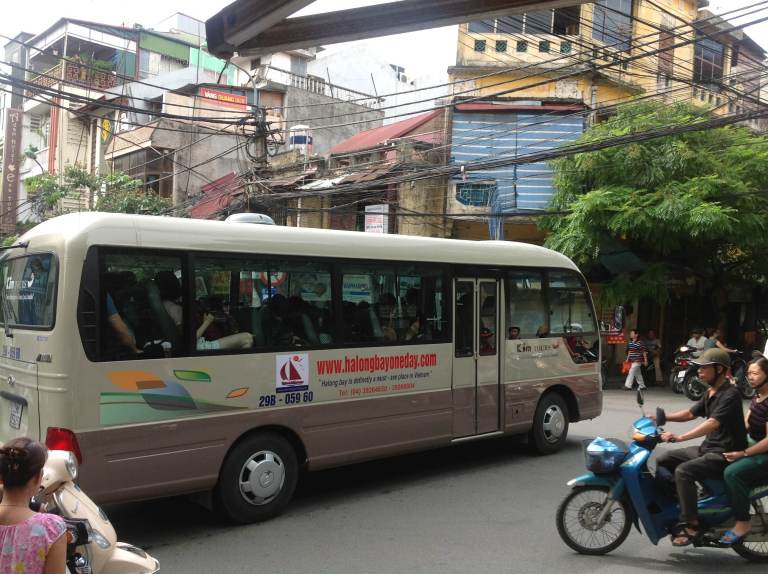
70, 464
99, 539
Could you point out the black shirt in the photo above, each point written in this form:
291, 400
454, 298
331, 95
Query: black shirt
758, 418
725, 407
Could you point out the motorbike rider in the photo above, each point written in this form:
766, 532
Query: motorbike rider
749, 466
723, 430
698, 341
31, 542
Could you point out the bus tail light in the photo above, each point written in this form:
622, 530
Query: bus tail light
63, 439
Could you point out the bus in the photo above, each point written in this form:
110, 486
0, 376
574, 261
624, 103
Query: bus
177, 356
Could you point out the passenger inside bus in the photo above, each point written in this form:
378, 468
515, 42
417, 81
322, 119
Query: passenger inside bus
120, 329
217, 329
383, 318
170, 295
413, 315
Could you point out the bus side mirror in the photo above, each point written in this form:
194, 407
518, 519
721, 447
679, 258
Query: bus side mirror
619, 317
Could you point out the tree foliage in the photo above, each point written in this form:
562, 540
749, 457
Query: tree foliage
115, 192
694, 204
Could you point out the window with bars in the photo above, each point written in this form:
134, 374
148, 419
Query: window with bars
501, 45
479, 45
476, 194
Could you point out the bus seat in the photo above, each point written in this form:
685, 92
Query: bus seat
257, 327
160, 316
310, 334
378, 333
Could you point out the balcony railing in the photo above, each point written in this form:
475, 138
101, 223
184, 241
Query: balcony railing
316, 85
47, 78
77, 74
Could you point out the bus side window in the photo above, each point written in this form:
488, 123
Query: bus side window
527, 315
141, 305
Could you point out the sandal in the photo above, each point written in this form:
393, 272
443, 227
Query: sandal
729, 538
684, 534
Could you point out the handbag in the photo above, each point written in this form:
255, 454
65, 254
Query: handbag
625, 366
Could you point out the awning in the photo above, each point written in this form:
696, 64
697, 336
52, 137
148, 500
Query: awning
130, 141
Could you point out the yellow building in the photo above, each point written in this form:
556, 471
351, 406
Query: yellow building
594, 56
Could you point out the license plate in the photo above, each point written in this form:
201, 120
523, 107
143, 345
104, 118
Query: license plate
681, 374
15, 417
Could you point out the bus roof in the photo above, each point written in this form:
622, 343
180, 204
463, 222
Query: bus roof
93, 228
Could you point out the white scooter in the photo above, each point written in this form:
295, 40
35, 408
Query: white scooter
92, 543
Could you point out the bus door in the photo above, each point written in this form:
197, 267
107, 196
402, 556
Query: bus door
476, 381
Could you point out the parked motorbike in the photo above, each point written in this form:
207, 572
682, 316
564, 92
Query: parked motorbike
694, 390
683, 358
619, 491
92, 543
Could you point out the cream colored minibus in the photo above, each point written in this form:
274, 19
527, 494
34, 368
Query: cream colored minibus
179, 356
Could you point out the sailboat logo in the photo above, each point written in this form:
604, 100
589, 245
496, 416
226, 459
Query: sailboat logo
292, 373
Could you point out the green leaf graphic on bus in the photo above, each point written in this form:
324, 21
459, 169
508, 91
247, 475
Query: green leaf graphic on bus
195, 376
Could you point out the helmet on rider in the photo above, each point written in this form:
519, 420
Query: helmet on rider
714, 357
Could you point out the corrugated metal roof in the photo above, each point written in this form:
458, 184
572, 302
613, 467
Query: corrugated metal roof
217, 195
377, 136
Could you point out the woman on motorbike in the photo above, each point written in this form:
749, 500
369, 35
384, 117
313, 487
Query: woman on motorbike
30, 542
749, 466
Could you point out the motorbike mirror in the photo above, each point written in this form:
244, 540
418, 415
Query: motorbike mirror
619, 317
661, 417
640, 398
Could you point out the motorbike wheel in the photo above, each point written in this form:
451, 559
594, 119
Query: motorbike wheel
550, 424
577, 516
755, 547
257, 479
673, 384
692, 388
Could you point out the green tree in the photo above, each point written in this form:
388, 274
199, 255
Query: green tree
116, 192
689, 205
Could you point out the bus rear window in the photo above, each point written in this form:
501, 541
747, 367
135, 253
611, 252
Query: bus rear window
29, 291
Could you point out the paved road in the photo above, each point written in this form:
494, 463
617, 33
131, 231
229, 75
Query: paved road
486, 507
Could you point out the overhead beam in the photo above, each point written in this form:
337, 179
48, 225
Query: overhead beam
362, 23
246, 19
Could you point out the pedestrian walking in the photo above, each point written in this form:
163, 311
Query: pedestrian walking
637, 355
653, 345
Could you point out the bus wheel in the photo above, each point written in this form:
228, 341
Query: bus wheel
257, 479
550, 424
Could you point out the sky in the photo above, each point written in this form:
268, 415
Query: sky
436, 49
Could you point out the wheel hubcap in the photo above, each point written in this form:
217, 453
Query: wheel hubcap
554, 424
262, 478
588, 515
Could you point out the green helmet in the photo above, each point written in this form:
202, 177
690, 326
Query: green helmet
714, 357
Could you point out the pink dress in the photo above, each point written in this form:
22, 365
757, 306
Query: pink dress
24, 545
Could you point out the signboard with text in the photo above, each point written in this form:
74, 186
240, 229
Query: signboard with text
377, 218
226, 99
11, 165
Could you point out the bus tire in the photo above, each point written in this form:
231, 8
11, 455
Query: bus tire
258, 479
550, 424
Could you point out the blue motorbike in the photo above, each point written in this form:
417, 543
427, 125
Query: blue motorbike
619, 490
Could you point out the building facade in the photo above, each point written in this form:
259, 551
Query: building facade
534, 82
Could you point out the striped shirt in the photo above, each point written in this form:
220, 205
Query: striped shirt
758, 418
635, 352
